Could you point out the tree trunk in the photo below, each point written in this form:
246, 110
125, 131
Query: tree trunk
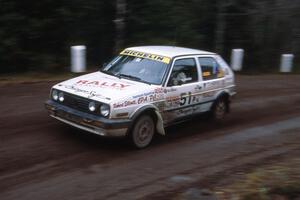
220, 28
120, 24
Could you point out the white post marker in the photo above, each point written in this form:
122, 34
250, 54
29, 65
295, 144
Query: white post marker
286, 64
237, 56
78, 59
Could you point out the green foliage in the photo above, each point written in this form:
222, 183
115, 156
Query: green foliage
37, 35
166, 23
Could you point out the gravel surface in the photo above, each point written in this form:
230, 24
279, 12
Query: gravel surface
41, 158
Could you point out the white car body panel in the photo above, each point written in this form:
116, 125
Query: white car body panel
126, 97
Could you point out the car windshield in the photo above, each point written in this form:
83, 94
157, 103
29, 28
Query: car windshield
136, 68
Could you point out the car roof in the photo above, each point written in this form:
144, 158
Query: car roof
169, 51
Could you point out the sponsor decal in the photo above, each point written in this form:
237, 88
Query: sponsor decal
167, 90
150, 56
185, 111
124, 104
151, 96
213, 84
103, 84
89, 93
172, 101
140, 99
144, 94
158, 90
198, 88
155, 97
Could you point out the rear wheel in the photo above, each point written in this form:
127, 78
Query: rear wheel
142, 132
219, 109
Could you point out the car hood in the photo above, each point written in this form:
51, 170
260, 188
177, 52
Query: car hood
102, 87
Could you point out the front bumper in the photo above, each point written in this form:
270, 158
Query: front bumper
88, 122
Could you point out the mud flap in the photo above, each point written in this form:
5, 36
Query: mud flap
159, 125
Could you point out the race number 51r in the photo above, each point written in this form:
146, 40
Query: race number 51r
185, 98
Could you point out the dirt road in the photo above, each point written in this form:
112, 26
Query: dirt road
41, 158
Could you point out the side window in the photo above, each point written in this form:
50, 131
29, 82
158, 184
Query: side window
184, 71
210, 69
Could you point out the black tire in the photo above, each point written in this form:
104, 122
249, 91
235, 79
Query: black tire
219, 109
142, 132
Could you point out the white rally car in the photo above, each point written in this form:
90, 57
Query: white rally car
143, 90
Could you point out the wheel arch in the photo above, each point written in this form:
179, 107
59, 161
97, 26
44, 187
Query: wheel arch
226, 96
154, 113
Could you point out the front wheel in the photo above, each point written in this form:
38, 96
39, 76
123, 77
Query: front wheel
142, 132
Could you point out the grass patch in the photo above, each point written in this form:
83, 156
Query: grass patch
280, 181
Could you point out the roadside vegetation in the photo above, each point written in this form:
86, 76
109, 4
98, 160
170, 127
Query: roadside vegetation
36, 36
279, 181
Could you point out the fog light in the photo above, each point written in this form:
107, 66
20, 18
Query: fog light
61, 97
92, 106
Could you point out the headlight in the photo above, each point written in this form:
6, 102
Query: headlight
54, 95
61, 97
92, 106
104, 110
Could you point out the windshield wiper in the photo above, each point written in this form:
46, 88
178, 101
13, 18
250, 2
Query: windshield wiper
132, 77
107, 72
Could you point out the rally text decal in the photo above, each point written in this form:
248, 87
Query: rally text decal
103, 84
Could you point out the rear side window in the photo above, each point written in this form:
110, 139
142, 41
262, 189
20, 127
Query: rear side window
210, 69
184, 71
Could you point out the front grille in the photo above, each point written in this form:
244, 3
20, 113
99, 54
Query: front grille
78, 103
